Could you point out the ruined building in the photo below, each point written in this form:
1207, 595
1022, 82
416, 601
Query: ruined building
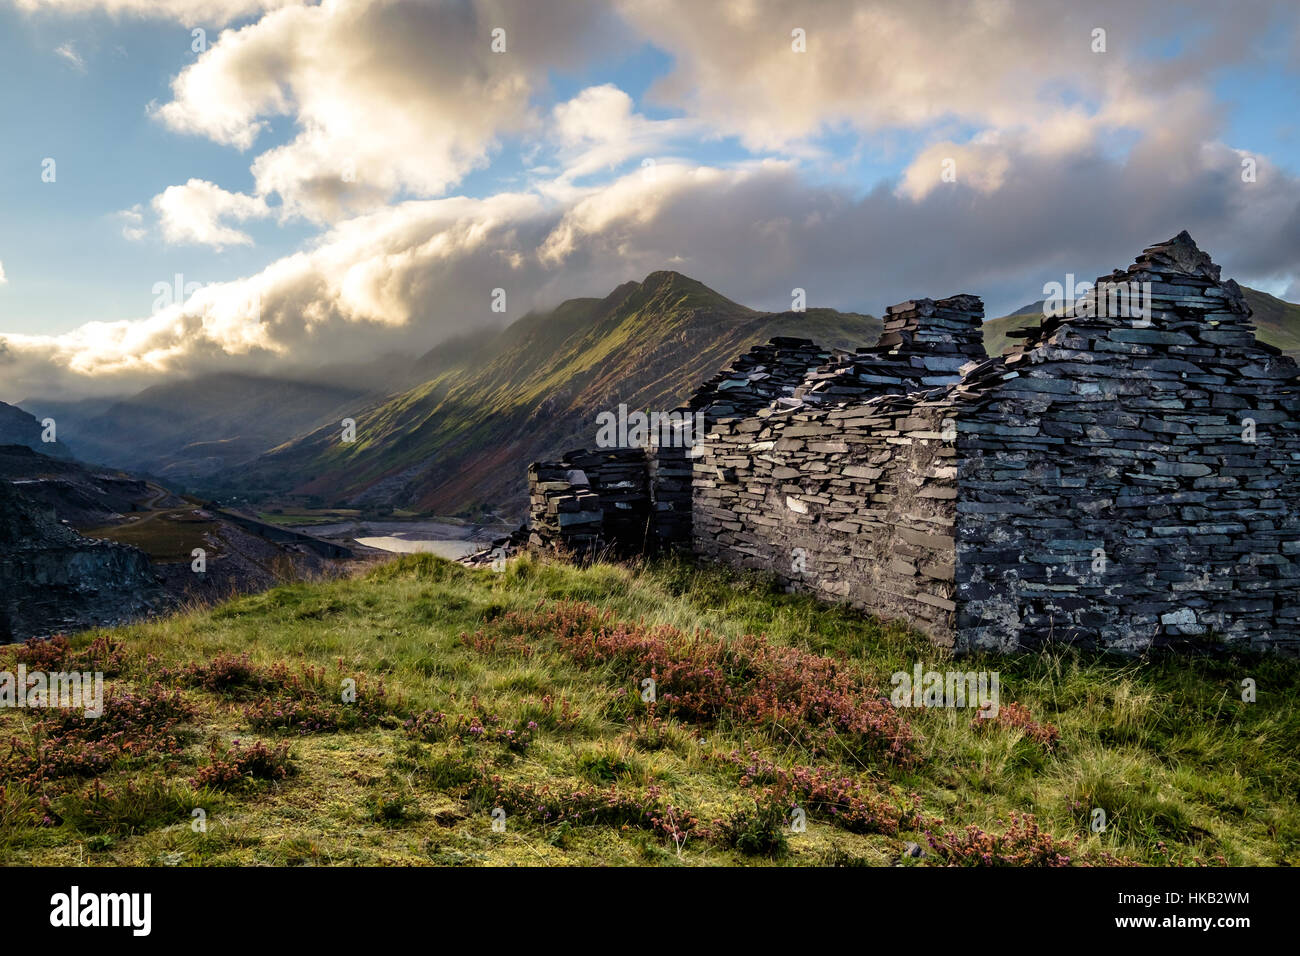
1122, 478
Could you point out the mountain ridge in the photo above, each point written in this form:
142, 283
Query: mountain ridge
454, 443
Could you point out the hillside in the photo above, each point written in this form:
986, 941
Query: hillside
479, 692
1277, 323
460, 440
190, 428
19, 427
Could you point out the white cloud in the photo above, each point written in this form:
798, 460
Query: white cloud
3, 279
410, 276
68, 51
193, 213
387, 98
183, 11
133, 223
598, 130
926, 64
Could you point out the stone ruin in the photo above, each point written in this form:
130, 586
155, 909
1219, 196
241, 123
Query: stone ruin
1121, 479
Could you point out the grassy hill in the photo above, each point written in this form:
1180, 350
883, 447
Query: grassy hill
1277, 323
462, 438
477, 691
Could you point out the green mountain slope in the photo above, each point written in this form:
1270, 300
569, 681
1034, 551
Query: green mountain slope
460, 439
1277, 323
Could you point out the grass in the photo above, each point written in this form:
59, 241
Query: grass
477, 693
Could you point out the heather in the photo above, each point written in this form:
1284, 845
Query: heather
394, 717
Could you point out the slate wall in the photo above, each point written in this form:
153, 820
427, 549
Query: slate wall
853, 503
1110, 490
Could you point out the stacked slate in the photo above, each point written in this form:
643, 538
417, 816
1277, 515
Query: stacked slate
1129, 481
591, 501
853, 503
1120, 480
924, 345
670, 469
565, 514
761, 376
620, 480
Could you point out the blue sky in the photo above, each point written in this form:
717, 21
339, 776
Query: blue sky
63, 250
823, 166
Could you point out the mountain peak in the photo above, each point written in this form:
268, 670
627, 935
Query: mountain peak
667, 279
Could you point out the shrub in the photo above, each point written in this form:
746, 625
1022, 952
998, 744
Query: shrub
840, 800
760, 830
231, 674
1018, 717
66, 743
700, 678
103, 654
434, 726
1021, 844
236, 767
309, 705
584, 806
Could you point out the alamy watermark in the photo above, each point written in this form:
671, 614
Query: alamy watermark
1122, 299
38, 689
924, 688
624, 429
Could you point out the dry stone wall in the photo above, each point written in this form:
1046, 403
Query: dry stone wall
1128, 481
853, 503
591, 501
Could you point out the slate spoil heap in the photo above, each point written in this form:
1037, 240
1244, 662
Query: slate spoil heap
67, 582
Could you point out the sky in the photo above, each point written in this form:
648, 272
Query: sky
276, 186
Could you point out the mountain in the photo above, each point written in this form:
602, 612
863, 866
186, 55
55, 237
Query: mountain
18, 427
1277, 323
190, 428
458, 441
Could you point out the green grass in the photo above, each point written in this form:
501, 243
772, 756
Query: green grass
1183, 768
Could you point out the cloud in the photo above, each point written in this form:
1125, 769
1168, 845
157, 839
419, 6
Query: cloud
68, 51
1065, 160
3, 279
599, 129
930, 64
183, 11
133, 223
386, 98
419, 272
193, 214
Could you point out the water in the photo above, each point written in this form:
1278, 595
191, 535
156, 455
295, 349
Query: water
441, 547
